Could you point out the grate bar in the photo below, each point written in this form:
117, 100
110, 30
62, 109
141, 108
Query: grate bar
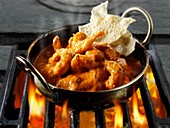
100, 118
49, 115
24, 113
126, 115
21, 122
149, 110
74, 119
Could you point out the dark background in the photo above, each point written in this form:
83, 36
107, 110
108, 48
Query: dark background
31, 16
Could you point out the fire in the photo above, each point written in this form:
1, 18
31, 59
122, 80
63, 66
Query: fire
62, 116
64, 110
18, 90
138, 116
37, 110
113, 116
87, 119
154, 93
118, 116
36, 107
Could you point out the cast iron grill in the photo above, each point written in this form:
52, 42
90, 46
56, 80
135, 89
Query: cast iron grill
19, 118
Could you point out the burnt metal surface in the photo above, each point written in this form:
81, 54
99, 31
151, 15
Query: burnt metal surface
19, 117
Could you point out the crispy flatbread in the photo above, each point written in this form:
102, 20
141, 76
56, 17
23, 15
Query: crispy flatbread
114, 27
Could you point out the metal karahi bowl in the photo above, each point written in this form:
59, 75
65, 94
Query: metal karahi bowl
76, 99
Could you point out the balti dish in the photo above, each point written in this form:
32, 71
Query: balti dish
86, 65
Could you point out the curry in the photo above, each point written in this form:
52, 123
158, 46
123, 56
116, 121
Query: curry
86, 65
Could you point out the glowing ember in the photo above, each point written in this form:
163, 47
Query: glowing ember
36, 107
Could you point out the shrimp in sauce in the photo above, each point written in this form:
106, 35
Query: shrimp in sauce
85, 65
85, 81
90, 60
56, 43
59, 63
116, 74
80, 42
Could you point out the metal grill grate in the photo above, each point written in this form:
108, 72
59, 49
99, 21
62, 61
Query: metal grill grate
18, 118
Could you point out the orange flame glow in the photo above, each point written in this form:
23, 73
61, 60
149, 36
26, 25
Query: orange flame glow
36, 106
114, 115
118, 115
138, 117
154, 93
18, 90
87, 119
62, 116
64, 110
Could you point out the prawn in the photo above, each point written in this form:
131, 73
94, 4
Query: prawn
86, 81
81, 63
90, 60
116, 74
108, 51
80, 42
56, 43
59, 63
96, 54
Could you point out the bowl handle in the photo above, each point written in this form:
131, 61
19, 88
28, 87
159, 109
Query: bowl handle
148, 18
26, 66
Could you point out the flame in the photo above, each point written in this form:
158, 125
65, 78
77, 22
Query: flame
62, 116
118, 115
110, 117
87, 119
18, 90
152, 84
114, 115
159, 107
37, 110
64, 110
36, 106
138, 116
